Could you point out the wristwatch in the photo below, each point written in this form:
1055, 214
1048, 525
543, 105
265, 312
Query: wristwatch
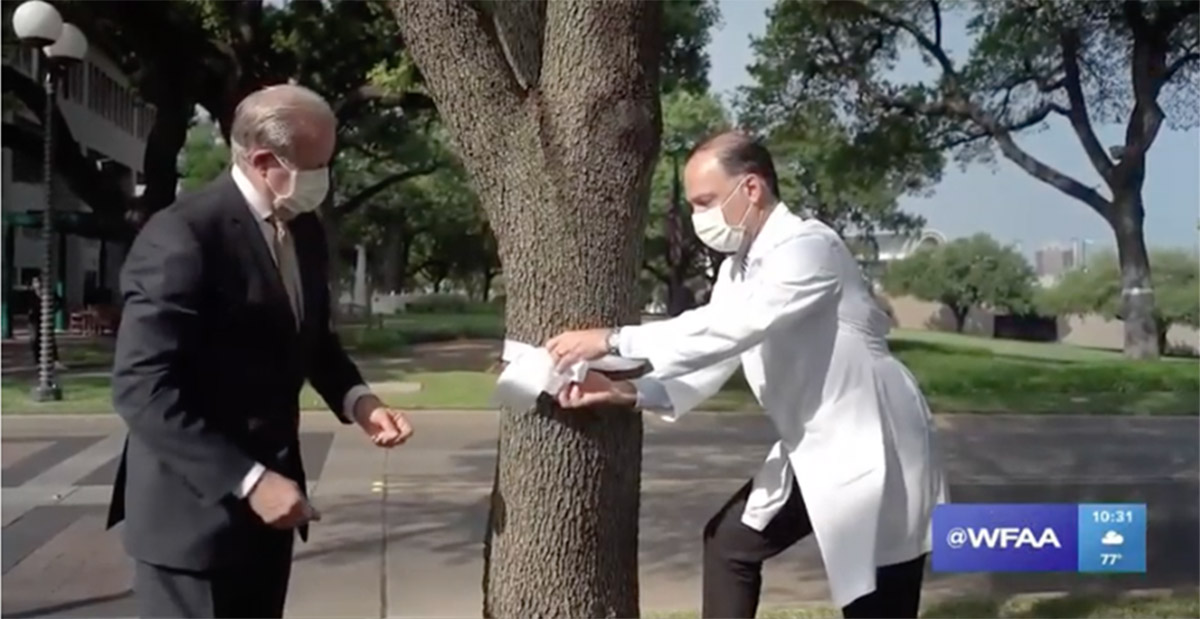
614, 341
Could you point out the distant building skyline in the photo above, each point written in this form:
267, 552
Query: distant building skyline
1053, 260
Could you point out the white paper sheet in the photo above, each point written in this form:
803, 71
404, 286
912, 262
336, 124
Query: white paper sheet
531, 372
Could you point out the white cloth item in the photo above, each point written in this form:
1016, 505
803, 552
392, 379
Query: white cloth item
531, 372
855, 432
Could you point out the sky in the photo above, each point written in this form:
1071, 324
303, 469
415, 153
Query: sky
1001, 199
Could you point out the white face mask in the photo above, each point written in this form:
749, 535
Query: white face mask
309, 188
713, 231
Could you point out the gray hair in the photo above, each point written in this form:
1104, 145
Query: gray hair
271, 117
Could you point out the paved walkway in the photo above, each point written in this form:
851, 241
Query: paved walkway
402, 534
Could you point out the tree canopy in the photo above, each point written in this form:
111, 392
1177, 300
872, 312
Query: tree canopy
1097, 289
674, 258
1030, 61
963, 274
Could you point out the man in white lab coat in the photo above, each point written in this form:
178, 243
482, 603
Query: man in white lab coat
857, 462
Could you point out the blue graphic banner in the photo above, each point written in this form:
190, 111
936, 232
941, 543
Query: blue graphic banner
1042, 537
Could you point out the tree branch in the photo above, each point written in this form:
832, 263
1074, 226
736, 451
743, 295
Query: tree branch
520, 30
352, 204
367, 93
1178, 64
659, 275
1044, 82
436, 31
1043, 172
933, 47
937, 21
1077, 114
459, 54
1171, 14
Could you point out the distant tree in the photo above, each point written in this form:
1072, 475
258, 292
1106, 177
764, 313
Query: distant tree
850, 181
1031, 60
214, 52
965, 273
687, 29
674, 258
204, 157
1097, 289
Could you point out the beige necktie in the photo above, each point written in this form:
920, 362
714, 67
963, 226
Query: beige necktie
285, 260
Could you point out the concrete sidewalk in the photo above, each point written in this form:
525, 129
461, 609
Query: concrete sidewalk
402, 530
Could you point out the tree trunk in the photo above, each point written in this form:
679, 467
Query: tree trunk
486, 287
1137, 295
395, 261
561, 146
960, 317
679, 297
163, 143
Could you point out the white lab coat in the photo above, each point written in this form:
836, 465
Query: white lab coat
852, 422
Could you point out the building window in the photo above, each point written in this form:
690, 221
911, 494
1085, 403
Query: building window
27, 275
95, 90
26, 169
71, 85
24, 60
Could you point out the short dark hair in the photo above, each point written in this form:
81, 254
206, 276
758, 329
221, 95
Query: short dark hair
739, 153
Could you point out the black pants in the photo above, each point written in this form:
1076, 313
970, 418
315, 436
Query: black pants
255, 587
734, 554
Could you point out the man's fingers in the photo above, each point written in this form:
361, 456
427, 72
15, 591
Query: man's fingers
567, 359
405, 429
387, 427
572, 396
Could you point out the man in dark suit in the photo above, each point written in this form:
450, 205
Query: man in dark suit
226, 314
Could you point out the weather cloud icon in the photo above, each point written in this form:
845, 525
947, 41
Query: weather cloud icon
1112, 538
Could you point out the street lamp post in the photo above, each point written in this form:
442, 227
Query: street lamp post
39, 25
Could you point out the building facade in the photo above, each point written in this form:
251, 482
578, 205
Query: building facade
104, 116
1053, 260
874, 256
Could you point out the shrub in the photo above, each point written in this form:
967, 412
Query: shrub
964, 372
444, 303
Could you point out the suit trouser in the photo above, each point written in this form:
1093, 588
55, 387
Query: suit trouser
254, 586
734, 554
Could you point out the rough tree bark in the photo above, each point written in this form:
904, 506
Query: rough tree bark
554, 110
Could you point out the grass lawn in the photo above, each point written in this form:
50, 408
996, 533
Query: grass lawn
1180, 605
439, 390
957, 373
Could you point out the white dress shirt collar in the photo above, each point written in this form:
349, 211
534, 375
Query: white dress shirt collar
763, 241
258, 204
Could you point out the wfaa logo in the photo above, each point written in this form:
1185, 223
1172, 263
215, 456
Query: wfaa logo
1005, 537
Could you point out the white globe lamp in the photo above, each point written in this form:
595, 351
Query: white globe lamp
37, 23
70, 45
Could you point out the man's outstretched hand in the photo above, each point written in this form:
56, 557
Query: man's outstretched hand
386, 426
573, 346
595, 390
